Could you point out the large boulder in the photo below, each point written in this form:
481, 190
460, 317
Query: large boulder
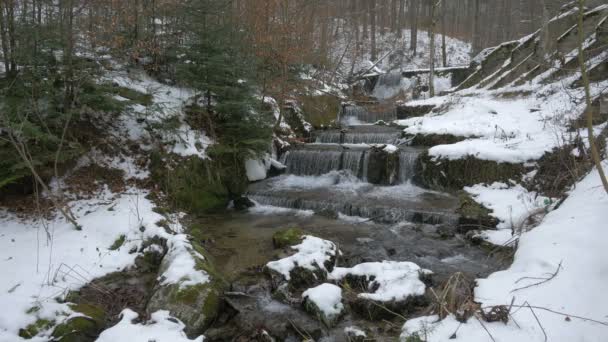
193, 297
383, 167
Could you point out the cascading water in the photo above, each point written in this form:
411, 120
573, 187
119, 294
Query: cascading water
407, 165
312, 162
388, 85
357, 138
315, 162
354, 114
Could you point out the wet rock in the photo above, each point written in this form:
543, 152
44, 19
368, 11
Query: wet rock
473, 216
446, 231
243, 203
328, 213
383, 167
354, 334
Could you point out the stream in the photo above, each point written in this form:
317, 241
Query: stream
326, 192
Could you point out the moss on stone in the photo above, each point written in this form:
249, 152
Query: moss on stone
35, 328
94, 312
118, 243
320, 111
473, 215
445, 174
287, 237
77, 329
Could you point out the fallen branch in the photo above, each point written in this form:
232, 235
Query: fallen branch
543, 280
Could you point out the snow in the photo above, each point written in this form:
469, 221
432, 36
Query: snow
354, 331
161, 328
570, 244
457, 52
43, 260
509, 204
168, 104
395, 281
327, 297
181, 264
515, 130
311, 254
255, 169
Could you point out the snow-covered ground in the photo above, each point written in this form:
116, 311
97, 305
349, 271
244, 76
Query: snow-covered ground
511, 204
556, 284
43, 260
505, 130
161, 328
397, 52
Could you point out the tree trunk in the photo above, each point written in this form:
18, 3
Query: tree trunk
444, 54
432, 48
597, 160
414, 26
372, 23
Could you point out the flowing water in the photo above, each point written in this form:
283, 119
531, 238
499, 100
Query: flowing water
325, 192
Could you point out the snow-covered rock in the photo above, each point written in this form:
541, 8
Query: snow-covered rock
256, 170
389, 281
313, 260
160, 328
325, 302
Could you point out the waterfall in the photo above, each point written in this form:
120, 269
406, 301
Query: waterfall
312, 162
407, 164
388, 85
353, 114
350, 207
358, 138
309, 162
353, 161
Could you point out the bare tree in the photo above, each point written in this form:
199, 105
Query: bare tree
588, 102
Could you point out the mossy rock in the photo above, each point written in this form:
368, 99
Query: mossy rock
93, 312
77, 329
35, 328
287, 237
473, 215
445, 174
196, 305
